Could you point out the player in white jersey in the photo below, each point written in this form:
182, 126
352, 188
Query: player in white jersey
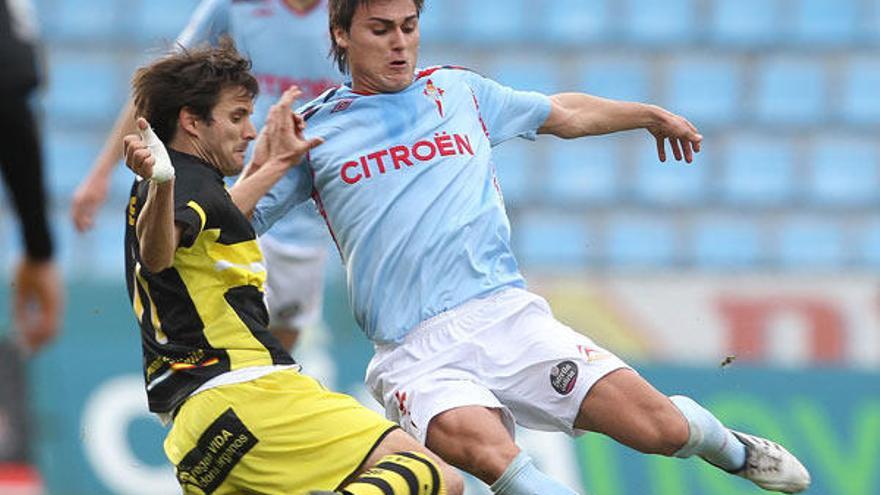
406, 183
287, 42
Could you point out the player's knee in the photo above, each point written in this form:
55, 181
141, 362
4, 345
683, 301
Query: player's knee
486, 461
666, 431
406, 473
453, 480
475, 441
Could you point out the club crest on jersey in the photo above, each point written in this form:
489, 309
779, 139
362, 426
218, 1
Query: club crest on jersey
436, 94
342, 105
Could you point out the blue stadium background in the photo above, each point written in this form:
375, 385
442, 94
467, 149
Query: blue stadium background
786, 93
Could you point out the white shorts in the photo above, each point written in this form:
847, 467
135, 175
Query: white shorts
505, 351
294, 283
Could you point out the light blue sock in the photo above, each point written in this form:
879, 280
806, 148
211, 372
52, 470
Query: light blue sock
709, 439
522, 478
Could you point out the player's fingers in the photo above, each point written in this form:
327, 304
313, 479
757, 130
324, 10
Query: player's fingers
661, 148
142, 162
280, 119
299, 125
688, 152
299, 121
697, 144
270, 124
277, 116
131, 148
126, 143
676, 150
130, 143
84, 222
147, 161
82, 211
273, 113
281, 110
289, 96
77, 208
314, 143
285, 123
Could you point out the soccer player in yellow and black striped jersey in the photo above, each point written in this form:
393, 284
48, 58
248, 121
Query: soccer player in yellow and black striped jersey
244, 419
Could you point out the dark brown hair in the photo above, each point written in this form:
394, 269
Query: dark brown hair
192, 79
341, 14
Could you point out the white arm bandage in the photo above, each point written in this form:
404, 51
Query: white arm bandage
163, 171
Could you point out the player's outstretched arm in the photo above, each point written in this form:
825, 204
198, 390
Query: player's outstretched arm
574, 115
158, 236
280, 146
92, 191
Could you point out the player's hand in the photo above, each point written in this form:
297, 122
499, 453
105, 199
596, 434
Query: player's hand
37, 303
261, 152
683, 137
282, 136
138, 156
88, 198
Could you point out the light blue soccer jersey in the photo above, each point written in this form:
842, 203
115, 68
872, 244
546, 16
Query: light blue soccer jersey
286, 48
407, 185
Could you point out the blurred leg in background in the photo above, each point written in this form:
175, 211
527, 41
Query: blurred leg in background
36, 287
17, 475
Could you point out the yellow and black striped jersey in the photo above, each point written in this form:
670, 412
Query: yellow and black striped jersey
205, 315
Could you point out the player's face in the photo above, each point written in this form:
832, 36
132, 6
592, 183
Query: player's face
226, 139
382, 45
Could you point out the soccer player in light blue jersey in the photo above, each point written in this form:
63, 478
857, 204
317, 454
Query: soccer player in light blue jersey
406, 183
287, 42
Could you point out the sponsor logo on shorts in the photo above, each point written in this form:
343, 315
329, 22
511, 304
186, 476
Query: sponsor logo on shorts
217, 451
563, 376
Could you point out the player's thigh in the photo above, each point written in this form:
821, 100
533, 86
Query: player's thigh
416, 383
542, 369
282, 433
624, 406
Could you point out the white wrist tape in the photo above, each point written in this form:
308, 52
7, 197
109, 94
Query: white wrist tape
163, 171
